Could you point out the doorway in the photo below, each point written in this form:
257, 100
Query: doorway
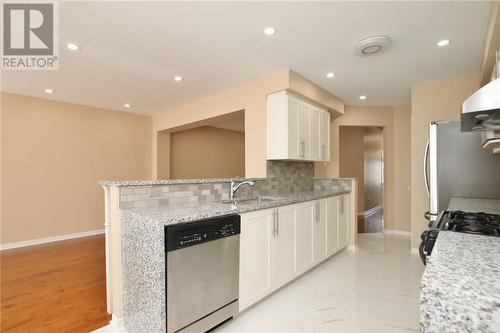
361, 155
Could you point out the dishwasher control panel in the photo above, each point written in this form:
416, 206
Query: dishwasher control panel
183, 235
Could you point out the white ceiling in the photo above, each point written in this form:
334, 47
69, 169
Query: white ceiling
131, 50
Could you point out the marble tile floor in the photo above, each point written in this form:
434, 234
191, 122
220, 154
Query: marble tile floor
374, 289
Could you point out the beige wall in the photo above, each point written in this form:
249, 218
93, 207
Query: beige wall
53, 155
207, 152
383, 116
351, 157
435, 100
250, 97
402, 168
373, 168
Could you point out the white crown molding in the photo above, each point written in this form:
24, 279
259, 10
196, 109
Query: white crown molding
37, 241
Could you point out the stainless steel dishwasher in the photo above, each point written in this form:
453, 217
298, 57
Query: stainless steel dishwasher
202, 268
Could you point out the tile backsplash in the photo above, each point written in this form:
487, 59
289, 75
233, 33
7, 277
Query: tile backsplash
283, 177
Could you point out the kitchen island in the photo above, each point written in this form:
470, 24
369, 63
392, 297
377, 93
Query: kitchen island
143, 249
460, 288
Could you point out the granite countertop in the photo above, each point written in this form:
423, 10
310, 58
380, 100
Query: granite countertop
146, 182
474, 205
460, 288
172, 214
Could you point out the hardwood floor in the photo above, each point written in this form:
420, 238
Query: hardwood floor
55, 287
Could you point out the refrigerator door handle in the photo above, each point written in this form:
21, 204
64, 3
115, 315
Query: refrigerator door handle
426, 169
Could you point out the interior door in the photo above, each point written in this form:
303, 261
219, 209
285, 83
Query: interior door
283, 247
319, 230
304, 223
255, 257
332, 243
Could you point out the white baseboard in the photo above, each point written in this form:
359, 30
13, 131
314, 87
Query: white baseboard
414, 250
37, 241
352, 248
114, 326
397, 232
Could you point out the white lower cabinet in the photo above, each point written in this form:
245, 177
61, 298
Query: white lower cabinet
343, 203
332, 243
255, 256
283, 246
279, 244
304, 240
319, 230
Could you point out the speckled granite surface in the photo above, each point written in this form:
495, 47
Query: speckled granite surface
460, 288
143, 254
490, 206
146, 182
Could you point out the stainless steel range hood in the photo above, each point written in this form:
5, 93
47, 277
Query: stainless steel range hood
481, 111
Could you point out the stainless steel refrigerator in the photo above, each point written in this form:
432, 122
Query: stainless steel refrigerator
456, 165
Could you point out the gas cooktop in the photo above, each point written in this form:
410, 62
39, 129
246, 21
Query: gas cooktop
471, 223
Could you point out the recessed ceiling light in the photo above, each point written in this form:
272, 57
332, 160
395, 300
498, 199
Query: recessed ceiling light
127, 105
269, 31
330, 75
362, 97
72, 46
178, 78
443, 42
49, 91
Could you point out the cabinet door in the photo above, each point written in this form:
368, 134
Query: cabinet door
283, 247
331, 226
343, 221
325, 136
255, 257
304, 223
319, 230
303, 131
315, 134
293, 128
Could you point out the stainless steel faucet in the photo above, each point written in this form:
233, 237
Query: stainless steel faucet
235, 186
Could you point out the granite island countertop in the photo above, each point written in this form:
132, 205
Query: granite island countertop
460, 287
143, 251
173, 214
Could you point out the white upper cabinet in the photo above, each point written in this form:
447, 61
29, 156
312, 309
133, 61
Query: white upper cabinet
296, 129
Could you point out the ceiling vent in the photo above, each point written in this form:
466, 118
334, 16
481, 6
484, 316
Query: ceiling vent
372, 45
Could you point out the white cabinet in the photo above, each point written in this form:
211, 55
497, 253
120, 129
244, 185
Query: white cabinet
277, 245
324, 134
343, 203
255, 256
283, 246
332, 243
319, 230
296, 129
315, 116
304, 225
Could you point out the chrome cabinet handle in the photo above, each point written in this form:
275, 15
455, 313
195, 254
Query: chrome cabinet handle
426, 173
274, 222
302, 148
277, 222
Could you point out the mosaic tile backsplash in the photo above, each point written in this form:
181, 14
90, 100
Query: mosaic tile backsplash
283, 177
